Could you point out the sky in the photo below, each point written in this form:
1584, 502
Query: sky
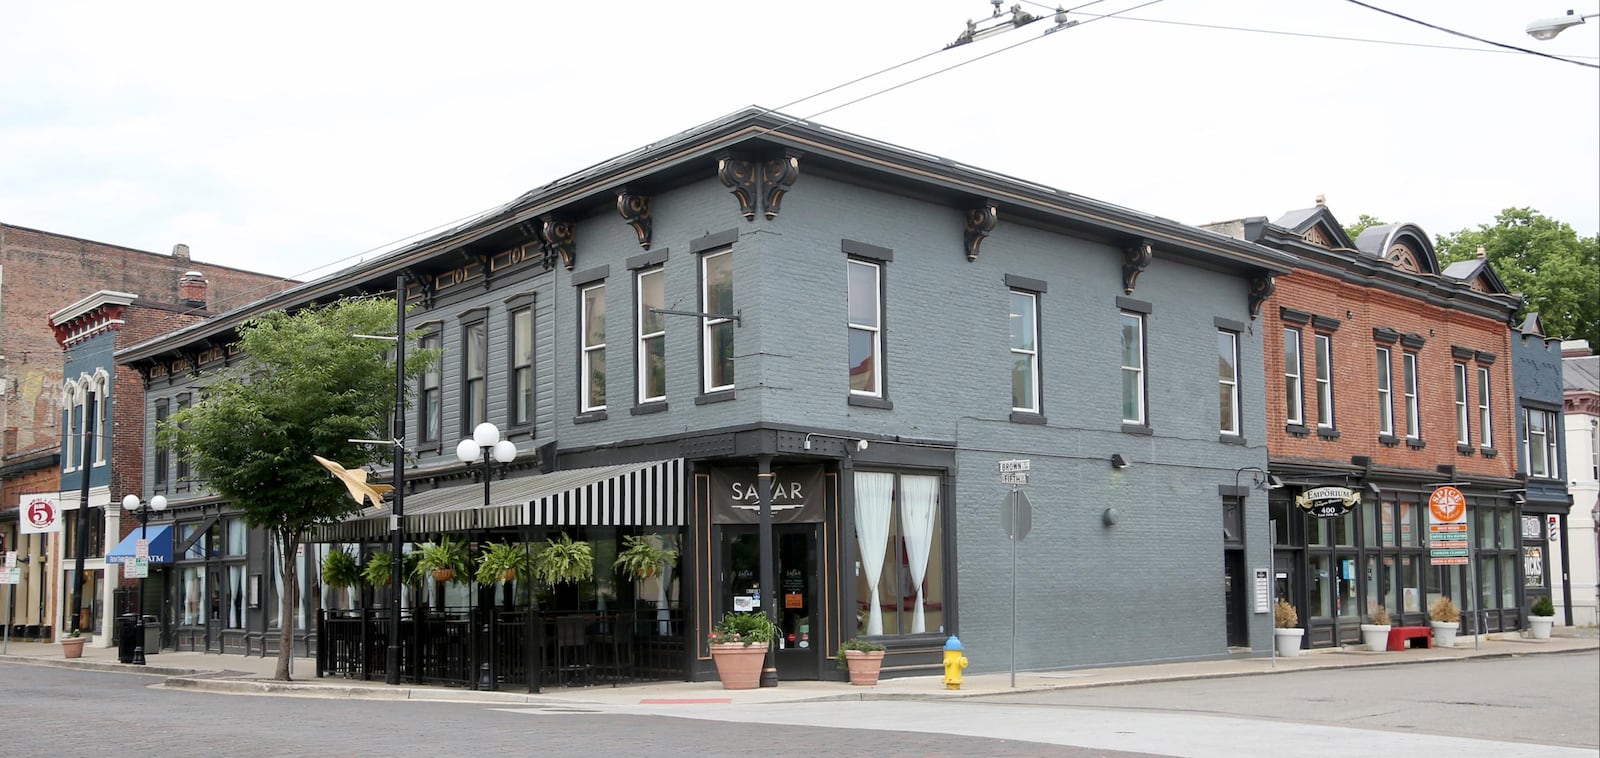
296, 138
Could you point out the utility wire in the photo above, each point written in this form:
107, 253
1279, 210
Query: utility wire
1404, 17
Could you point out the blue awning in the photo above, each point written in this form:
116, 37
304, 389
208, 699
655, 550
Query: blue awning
160, 545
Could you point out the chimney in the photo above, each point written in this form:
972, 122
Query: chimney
180, 252
192, 288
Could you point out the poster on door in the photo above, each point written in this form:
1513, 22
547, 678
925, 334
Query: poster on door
1533, 566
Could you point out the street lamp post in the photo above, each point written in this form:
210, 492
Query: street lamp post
133, 504
485, 444
1548, 28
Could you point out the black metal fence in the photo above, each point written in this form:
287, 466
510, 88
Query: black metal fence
488, 648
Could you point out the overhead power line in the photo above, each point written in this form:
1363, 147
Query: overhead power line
1404, 17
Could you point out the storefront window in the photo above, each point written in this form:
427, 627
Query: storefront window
1484, 526
1486, 593
1369, 523
1348, 605
236, 542
1508, 581
1412, 582
1319, 595
1389, 591
1410, 535
900, 585
1344, 529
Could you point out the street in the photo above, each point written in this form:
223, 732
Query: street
1540, 705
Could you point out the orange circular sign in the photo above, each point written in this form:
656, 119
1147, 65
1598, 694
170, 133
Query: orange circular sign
1447, 504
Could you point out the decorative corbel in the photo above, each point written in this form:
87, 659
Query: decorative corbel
558, 240
980, 221
777, 176
1135, 259
739, 176
635, 210
1261, 288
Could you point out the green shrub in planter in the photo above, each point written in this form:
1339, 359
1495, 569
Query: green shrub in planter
1543, 606
855, 643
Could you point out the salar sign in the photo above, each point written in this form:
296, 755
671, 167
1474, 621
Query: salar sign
797, 495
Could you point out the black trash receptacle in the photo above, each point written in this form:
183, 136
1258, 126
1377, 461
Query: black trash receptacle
127, 637
152, 635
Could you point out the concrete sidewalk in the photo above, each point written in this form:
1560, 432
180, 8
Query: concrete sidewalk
249, 675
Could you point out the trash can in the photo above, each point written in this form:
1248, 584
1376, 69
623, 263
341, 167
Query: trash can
127, 633
152, 635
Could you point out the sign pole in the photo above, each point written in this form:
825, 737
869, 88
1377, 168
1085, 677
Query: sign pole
1013, 505
1472, 576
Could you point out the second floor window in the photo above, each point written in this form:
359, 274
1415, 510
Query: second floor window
182, 478
1228, 382
1133, 406
1293, 390
1485, 428
652, 353
866, 336
430, 408
1539, 444
593, 369
1385, 395
1024, 352
163, 456
1463, 430
1324, 381
1413, 412
716, 296
474, 376
521, 367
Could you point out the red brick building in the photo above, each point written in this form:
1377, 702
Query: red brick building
136, 294
1388, 378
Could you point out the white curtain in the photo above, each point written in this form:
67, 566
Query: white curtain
874, 499
919, 501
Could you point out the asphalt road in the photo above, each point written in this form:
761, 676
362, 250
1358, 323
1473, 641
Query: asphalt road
48, 711
1542, 705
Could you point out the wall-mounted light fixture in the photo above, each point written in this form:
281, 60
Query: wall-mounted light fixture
1110, 516
860, 444
1373, 488
1262, 480
1117, 461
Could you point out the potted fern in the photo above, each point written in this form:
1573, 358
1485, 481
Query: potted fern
642, 559
1445, 619
862, 658
1542, 617
446, 560
564, 560
1376, 633
379, 568
504, 562
340, 571
1287, 633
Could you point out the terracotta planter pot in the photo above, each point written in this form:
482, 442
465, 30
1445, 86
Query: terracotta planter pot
443, 575
864, 666
739, 665
72, 647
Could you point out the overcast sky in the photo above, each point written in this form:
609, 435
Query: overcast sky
295, 137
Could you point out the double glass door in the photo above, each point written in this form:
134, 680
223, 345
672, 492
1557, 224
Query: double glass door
800, 616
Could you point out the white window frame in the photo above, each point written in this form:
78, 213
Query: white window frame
1293, 384
1485, 417
1141, 412
643, 321
590, 351
1385, 393
1463, 416
1030, 354
521, 374
873, 330
474, 374
102, 416
1324, 361
1544, 442
1229, 384
69, 430
1413, 408
431, 382
709, 358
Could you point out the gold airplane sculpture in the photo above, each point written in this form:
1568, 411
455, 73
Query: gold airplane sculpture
356, 482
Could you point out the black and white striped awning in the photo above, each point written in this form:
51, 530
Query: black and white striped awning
628, 494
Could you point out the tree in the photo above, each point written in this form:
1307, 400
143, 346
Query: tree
1545, 260
1362, 224
304, 386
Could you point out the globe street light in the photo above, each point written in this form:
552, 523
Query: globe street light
132, 504
485, 445
1548, 28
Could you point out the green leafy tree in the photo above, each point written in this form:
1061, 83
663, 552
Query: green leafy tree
1545, 260
304, 386
1362, 224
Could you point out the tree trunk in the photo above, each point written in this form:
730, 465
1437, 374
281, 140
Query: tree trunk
289, 600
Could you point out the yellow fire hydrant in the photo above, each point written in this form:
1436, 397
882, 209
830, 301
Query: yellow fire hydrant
954, 662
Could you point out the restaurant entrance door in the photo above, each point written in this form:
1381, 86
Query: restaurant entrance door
800, 615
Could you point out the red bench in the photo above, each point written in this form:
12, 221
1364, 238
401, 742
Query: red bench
1402, 637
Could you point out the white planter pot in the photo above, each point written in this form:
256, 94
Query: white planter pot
1444, 633
1376, 636
1287, 641
1541, 625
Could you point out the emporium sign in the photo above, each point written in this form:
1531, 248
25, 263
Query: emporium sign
1328, 502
